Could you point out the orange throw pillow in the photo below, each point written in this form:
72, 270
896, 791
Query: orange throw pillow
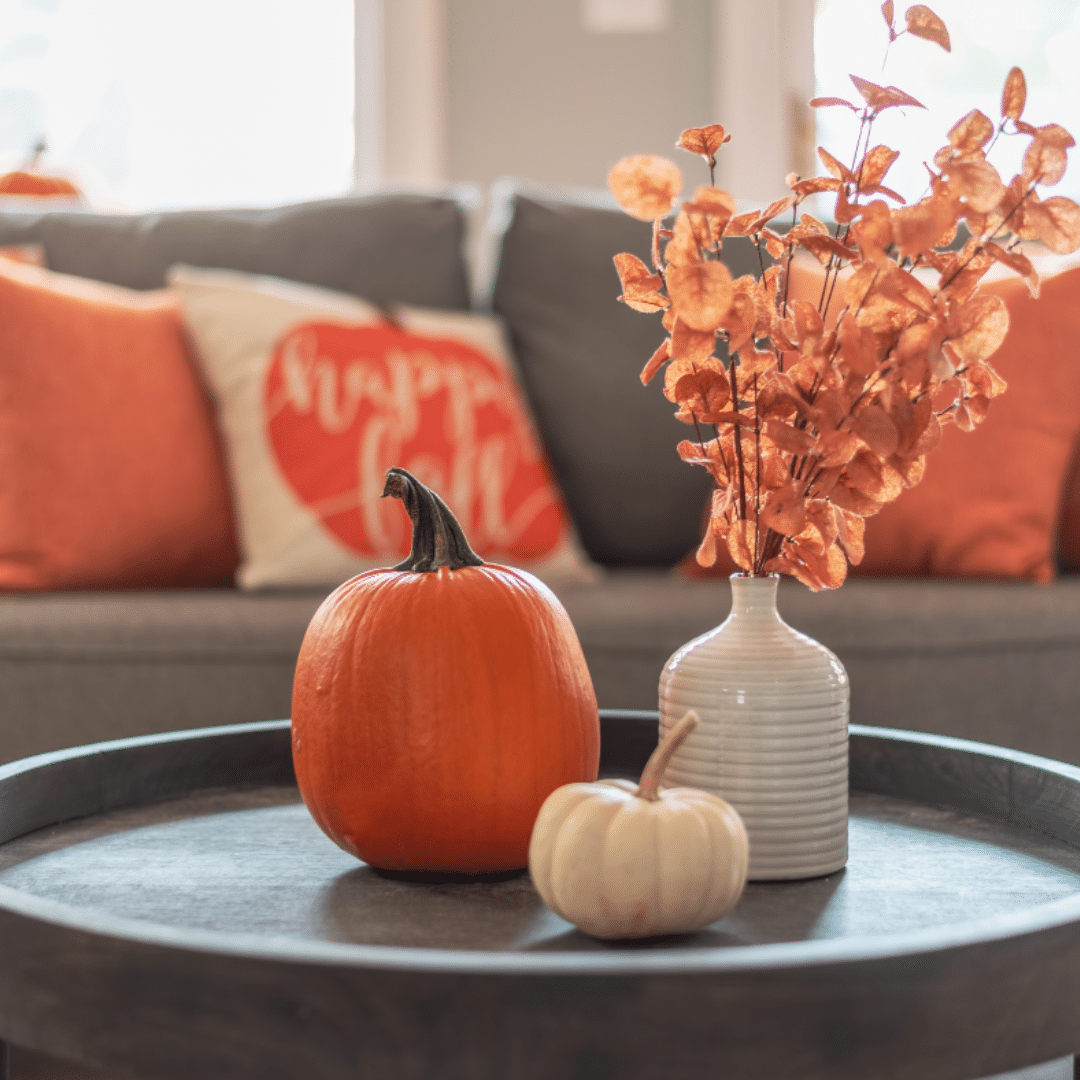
988, 504
111, 474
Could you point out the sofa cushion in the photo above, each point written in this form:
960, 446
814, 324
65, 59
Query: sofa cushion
990, 661
112, 470
988, 506
989, 503
318, 394
85, 667
611, 441
387, 247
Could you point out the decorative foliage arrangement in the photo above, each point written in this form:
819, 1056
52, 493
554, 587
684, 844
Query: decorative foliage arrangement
810, 427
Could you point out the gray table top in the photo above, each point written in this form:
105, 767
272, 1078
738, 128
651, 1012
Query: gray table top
168, 905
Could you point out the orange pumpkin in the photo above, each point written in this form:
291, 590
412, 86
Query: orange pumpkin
437, 704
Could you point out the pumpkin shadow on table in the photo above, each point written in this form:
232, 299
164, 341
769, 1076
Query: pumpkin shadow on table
489, 912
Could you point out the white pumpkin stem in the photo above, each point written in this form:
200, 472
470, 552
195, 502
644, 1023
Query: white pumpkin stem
656, 766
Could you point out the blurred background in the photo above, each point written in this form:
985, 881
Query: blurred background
197, 103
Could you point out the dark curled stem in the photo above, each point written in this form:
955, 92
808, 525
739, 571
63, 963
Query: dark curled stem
437, 539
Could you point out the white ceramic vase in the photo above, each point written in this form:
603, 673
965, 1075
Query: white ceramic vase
773, 738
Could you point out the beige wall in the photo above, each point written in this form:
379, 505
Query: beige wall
476, 89
531, 93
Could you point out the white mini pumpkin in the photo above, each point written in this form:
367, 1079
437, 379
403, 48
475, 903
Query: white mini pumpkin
623, 860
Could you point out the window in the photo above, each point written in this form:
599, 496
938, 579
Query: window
170, 103
988, 37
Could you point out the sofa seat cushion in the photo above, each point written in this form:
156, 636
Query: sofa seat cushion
82, 667
991, 661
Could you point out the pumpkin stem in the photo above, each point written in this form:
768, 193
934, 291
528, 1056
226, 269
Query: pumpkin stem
437, 539
656, 766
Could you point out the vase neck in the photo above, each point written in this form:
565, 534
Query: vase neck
753, 599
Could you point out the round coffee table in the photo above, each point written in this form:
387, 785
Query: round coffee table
169, 910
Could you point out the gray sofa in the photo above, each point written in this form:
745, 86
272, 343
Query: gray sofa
992, 661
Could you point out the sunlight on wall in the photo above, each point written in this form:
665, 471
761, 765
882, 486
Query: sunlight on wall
988, 37
181, 102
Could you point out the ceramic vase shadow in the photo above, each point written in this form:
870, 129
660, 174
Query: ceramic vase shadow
773, 738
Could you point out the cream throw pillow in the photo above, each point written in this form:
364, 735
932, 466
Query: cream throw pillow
319, 393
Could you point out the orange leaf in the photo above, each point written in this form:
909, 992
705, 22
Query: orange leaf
874, 166
908, 289
742, 543
676, 369
850, 529
645, 185
690, 344
875, 427
704, 393
1043, 163
867, 474
1014, 94
741, 318
911, 470
706, 552
1017, 261
684, 246
887, 11
848, 498
633, 272
825, 248
704, 140
837, 168
816, 184
825, 102
788, 439
983, 381
639, 285
873, 233
979, 327
709, 454
701, 293
837, 448
1055, 135
1057, 224
920, 228
785, 509
971, 132
923, 23
742, 224
774, 209
756, 361
977, 181
858, 347
830, 567
707, 215
646, 302
656, 362
883, 97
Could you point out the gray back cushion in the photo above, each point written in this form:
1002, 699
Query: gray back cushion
611, 441
387, 248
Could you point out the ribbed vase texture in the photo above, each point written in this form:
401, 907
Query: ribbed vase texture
773, 738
